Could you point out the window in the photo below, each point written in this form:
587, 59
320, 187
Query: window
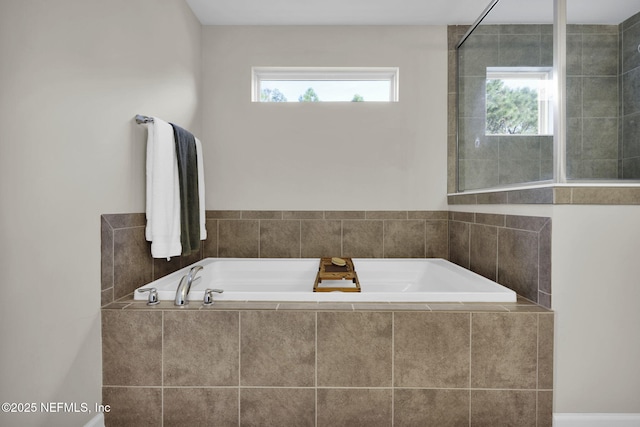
324, 84
518, 101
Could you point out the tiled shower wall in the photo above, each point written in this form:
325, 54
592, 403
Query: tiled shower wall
512, 250
491, 160
592, 101
603, 111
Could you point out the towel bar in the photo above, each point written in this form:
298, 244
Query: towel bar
140, 119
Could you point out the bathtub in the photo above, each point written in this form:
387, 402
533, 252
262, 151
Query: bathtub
292, 279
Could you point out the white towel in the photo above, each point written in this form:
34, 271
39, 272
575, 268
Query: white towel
163, 193
203, 218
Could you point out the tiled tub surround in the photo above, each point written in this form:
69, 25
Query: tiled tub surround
514, 251
310, 364
127, 263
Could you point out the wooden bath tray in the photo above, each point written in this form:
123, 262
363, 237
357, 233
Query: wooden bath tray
331, 272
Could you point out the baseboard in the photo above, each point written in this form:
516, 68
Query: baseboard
97, 421
596, 420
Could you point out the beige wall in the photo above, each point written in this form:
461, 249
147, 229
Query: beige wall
596, 290
72, 76
337, 156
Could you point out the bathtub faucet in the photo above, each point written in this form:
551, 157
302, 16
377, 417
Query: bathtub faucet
185, 286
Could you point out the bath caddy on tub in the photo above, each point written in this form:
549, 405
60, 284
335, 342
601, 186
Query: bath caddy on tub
342, 278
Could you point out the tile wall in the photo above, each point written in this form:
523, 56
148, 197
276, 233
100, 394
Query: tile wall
514, 251
328, 364
592, 101
489, 160
127, 264
332, 365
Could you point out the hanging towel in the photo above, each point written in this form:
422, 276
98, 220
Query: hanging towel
163, 193
190, 172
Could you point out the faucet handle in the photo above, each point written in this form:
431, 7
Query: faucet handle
153, 295
208, 295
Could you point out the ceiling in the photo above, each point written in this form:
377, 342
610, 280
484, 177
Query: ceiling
403, 12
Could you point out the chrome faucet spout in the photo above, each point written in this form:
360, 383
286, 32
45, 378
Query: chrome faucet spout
184, 287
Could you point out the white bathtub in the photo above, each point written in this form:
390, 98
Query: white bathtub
381, 280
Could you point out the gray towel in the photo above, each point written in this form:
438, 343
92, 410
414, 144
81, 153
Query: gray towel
188, 183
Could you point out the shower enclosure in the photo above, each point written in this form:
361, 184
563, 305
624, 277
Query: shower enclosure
548, 92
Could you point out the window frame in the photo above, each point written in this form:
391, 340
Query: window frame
545, 101
389, 74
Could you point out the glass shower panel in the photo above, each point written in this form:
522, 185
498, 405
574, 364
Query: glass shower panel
603, 95
505, 98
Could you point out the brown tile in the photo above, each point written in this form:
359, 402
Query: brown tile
261, 214
606, 196
303, 215
223, 214
429, 215
404, 239
544, 280
210, 245
459, 243
518, 261
562, 196
386, 214
293, 407
277, 348
362, 239
200, 407
527, 223
545, 351
354, 407
504, 350
319, 238
106, 297
238, 238
280, 239
491, 219
463, 216
192, 258
545, 409
493, 198
431, 349
132, 261
106, 254
503, 408
127, 220
162, 267
354, 349
200, 348
132, 406
345, 215
131, 347
484, 250
442, 408
462, 199
531, 196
